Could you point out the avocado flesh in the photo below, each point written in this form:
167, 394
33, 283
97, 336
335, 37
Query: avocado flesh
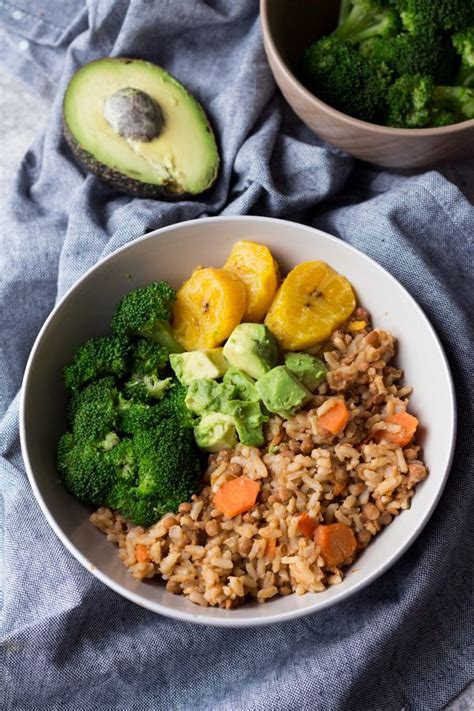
309, 370
183, 158
215, 432
198, 365
251, 348
248, 420
281, 392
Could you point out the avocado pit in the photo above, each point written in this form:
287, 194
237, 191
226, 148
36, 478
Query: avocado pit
134, 115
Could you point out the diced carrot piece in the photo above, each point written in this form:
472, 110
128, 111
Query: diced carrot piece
236, 496
270, 548
408, 426
141, 553
336, 418
336, 542
306, 524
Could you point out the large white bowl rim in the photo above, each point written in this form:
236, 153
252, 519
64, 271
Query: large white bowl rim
209, 240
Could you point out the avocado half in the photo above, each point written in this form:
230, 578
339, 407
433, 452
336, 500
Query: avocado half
138, 129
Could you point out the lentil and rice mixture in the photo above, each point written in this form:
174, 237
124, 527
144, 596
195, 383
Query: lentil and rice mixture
355, 478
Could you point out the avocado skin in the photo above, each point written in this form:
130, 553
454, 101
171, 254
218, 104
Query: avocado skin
122, 183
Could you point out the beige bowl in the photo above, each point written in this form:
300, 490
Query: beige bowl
288, 26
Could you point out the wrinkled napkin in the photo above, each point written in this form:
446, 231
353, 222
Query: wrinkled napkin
67, 640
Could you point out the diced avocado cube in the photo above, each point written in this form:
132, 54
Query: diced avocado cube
205, 395
248, 419
281, 392
251, 347
243, 385
309, 370
218, 359
216, 431
195, 365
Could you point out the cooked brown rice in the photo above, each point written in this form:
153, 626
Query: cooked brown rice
347, 478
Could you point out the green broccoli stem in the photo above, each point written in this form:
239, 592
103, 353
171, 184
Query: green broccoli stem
465, 77
122, 403
162, 334
359, 25
458, 99
344, 11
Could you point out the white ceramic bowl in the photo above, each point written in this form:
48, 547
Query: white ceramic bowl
171, 253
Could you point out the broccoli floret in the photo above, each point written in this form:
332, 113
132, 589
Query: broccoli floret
122, 458
148, 358
146, 387
146, 312
342, 77
458, 100
441, 117
84, 453
135, 416
161, 455
86, 470
408, 101
174, 404
93, 411
362, 19
167, 465
394, 62
441, 14
152, 467
423, 52
96, 358
140, 510
415, 102
131, 444
464, 44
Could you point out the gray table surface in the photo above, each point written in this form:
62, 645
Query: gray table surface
22, 117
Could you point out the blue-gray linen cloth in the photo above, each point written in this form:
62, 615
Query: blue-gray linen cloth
67, 640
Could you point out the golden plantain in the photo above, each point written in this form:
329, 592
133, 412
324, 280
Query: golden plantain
208, 306
254, 265
312, 301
